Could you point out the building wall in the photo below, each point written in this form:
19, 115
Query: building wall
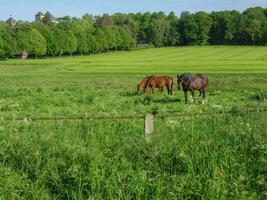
39, 18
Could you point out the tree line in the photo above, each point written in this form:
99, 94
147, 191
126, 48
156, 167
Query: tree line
95, 34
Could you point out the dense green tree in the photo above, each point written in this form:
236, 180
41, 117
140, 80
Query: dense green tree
65, 18
225, 27
158, 28
105, 21
71, 42
255, 20
190, 29
181, 27
126, 40
82, 42
48, 33
143, 33
158, 15
102, 43
32, 42
203, 23
218, 28
196, 28
88, 17
111, 38
47, 21
81, 28
118, 39
51, 44
230, 19
172, 36
92, 43
60, 38
37, 43
127, 22
66, 40
7, 44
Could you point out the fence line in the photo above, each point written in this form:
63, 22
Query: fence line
190, 114
71, 118
173, 115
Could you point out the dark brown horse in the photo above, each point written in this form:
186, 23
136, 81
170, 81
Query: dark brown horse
142, 84
191, 83
159, 82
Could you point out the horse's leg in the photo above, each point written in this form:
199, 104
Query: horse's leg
200, 94
193, 95
169, 87
153, 89
168, 90
145, 91
204, 93
185, 96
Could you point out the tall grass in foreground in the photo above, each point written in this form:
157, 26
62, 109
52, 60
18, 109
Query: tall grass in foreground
189, 158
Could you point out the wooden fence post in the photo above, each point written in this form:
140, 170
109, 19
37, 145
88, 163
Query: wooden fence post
149, 126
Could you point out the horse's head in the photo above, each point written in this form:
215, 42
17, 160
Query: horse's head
138, 88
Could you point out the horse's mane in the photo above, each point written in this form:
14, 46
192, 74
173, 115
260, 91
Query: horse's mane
186, 75
148, 81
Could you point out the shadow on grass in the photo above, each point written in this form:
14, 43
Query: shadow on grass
129, 94
166, 100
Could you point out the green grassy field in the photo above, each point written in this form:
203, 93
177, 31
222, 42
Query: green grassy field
199, 157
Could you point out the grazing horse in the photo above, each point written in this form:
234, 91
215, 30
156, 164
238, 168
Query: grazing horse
142, 84
191, 83
159, 82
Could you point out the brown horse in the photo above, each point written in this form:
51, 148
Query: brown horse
142, 84
159, 82
191, 83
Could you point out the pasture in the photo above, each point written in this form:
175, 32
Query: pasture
198, 157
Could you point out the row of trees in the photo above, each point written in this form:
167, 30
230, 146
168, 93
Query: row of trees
124, 31
201, 28
69, 36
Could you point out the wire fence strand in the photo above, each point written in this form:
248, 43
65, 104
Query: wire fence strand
192, 114
137, 117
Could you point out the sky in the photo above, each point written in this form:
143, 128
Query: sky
26, 9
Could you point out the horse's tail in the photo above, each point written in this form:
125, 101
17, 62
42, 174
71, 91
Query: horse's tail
206, 81
205, 78
169, 84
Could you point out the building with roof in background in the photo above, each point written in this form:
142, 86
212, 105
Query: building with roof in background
39, 17
11, 21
